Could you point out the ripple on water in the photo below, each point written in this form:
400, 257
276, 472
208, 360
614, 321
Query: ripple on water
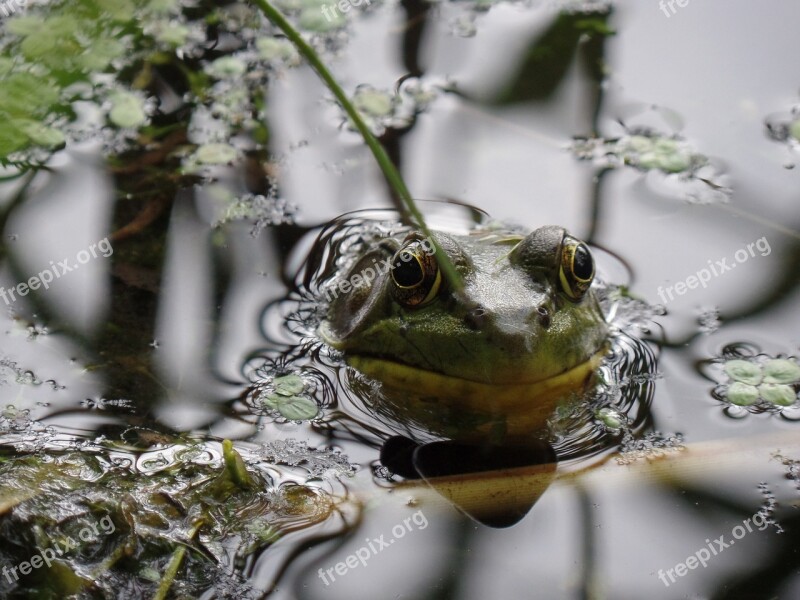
584, 428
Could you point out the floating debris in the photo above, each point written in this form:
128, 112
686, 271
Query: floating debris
610, 418
649, 140
152, 509
784, 127
768, 509
318, 462
652, 446
262, 211
382, 109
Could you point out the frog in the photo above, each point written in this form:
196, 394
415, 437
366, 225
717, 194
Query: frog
523, 334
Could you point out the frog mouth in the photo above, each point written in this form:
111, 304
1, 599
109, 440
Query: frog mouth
467, 392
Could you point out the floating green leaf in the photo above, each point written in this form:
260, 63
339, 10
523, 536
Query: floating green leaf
227, 67
127, 110
611, 418
263, 531
24, 25
288, 385
11, 140
794, 129
25, 94
743, 371
781, 371
100, 55
117, 10
270, 48
373, 102
172, 34
779, 394
294, 408
214, 154
742, 394
40, 134
313, 19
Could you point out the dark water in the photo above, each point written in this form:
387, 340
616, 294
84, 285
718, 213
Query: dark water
534, 127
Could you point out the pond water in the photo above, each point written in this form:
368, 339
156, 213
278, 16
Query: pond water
665, 136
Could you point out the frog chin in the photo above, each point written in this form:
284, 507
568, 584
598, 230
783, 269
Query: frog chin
436, 401
434, 384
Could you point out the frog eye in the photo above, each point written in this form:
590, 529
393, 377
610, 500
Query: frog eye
576, 271
415, 274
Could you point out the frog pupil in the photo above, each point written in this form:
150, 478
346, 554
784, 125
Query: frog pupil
582, 266
408, 274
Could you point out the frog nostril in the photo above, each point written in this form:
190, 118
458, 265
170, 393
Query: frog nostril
544, 317
476, 318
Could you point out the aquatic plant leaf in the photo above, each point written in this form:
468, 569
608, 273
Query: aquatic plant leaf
794, 129
744, 371
270, 48
227, 67
172, 34
25, 94
127, 110
235, 466
118, 10
288, 385
215, 154
102, 52
263, 531
163, 6
742, 394
312, 19
24, 25
781, 371
777, 393
40, 134
294, 408
373, 102
11, 140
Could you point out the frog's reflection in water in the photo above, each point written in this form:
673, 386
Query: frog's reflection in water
495, 485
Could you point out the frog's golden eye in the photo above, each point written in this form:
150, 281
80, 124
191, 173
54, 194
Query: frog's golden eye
416, 275
576, 271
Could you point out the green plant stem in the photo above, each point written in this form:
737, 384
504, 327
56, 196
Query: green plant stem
387, 166
174, 564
